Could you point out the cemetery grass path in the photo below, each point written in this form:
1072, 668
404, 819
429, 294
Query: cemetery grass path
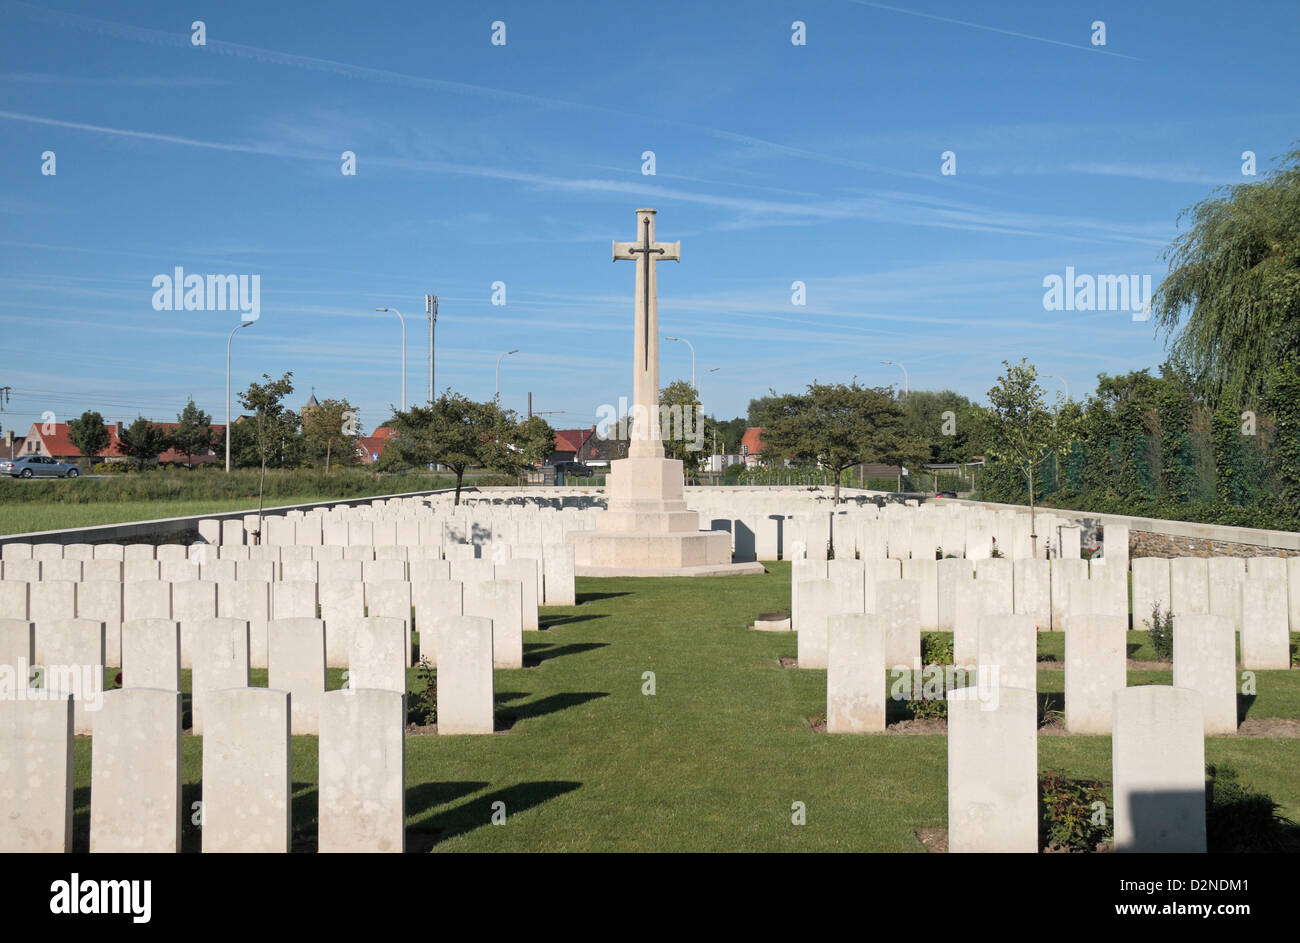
713, 761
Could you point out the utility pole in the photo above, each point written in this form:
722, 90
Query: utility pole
431, 307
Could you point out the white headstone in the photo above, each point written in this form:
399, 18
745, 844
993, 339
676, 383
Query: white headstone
151, 654
855, 675
1158, 769
36, 774
1205, 660
247, 781
1096, 666
465, 691
296, 649
993, 771
135, 772
362, 772
220, 661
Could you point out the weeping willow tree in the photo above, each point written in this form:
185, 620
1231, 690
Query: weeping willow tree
1230, 305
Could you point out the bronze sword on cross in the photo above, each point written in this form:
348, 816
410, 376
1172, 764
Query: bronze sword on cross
646, 249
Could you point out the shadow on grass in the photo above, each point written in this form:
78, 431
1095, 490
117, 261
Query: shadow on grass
547, 705
592, 597
1131, 649
306, 807
1244, 703
81, 820
551, 622
425, 796
537, 653
478, 813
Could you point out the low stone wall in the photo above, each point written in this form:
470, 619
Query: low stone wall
1147, 544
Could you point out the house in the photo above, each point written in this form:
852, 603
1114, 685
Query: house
568, 443
52, 440
371, 447
751, 446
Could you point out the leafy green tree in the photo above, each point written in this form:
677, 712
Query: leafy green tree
88, 434
1022, 431
947, 421
142, 441
193, 433
331, 428
730, 432
1283, 401
271, 424
1230, 303
836, 425
688, 443
535, 440
459, 433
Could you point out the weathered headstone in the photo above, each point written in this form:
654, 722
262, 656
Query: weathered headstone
297, 665
247, 783
1158, 769
993, 771
36, 774
1205, 660
362, 772
151, 654
1095, 668
465, 690
855, 675
135, 772
220, 656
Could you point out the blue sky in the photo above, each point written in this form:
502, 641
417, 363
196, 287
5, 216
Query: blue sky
478, 163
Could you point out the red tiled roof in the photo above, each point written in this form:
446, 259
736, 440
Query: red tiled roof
572, 440
753, 438
371, 446
384, 432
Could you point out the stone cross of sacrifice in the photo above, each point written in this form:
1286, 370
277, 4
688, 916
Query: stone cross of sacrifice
645, 362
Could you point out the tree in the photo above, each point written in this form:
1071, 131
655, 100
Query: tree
1283, 398
271, 424
1021, 429
535, 440
835, 425
142, 441
1230, 303
332, 428
456, 432
88, 434
682, 424
193, 433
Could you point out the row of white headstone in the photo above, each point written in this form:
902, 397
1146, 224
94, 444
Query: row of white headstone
247, 789
1261, 600
873, 656
1158, 732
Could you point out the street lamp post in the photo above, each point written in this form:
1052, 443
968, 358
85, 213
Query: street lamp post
403, 320
669, 337
894, 363
1064, 381
497, 397
228, 340
715, 418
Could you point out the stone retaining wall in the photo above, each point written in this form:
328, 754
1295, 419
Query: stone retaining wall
1147, 544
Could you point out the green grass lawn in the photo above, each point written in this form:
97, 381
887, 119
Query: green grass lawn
712, 761
21, 518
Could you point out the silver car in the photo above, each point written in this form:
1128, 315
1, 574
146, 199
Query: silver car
37, 466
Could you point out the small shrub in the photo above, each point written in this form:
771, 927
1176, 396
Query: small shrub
422, 704
923, 708
1238, 819
1161, 629
936, 650
1069, 818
